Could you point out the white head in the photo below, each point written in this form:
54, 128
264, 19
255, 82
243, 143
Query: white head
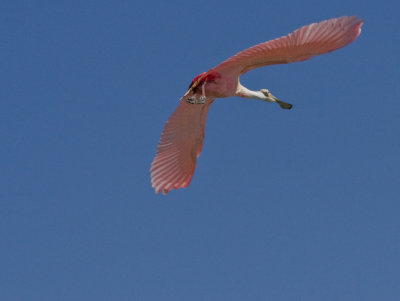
272, 98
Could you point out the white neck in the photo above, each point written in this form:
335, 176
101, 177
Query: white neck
242, 91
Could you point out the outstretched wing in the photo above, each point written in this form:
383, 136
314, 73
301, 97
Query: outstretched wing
179, 147
300, 45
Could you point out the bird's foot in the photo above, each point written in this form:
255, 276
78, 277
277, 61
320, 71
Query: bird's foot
195, 100
191, 100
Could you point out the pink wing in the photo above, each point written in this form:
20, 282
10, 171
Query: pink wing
179, 147
302, 44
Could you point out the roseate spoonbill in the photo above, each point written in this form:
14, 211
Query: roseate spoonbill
182, 138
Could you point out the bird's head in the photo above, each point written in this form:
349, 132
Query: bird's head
266, 92
272, 98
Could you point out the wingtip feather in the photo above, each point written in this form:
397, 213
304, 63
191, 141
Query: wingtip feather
179, 147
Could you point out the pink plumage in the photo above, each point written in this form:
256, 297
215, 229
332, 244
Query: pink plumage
179, 147
182, 138
300, 45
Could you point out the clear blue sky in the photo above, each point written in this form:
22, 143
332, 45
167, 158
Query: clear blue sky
284, 205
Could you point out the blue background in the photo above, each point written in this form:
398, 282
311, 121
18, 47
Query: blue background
284, 205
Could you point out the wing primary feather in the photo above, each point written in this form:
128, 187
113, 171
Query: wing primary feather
180, 145
302, 44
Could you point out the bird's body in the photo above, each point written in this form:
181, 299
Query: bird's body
182, 138
215, 85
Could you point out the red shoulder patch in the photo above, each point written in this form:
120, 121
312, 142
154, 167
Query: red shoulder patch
204, 77
196, 79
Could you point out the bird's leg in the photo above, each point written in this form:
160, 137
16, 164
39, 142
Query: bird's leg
203, 93
195, 98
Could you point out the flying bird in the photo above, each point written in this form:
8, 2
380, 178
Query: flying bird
182, 138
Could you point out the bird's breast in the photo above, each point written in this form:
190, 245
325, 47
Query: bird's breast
222, 87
